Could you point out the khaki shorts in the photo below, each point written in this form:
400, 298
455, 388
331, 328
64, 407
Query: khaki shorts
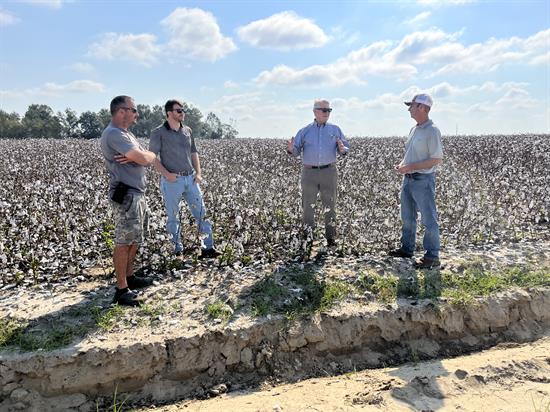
131, 219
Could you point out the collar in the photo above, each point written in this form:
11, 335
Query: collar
319, 124
427, 123
167, 126
118, 127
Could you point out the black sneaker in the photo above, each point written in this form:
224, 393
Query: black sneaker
209, 253
400, 253
128, 298
137, 283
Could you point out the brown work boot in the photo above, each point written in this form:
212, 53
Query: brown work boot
425, 263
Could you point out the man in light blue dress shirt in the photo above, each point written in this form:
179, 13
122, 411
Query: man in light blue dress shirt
423, 152
319, 143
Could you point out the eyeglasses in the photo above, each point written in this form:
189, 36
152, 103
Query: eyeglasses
132, 109
178, 110
323, 109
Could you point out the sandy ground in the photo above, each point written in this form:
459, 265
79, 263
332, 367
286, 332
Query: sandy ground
509, 377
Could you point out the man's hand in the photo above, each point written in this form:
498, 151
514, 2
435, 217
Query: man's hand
171, 177
197, 179
341, 147
290, 145
402, 169
123, 160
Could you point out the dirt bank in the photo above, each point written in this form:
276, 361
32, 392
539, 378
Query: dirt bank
174, 348
509, 377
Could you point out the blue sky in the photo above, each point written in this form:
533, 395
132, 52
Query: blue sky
260, 64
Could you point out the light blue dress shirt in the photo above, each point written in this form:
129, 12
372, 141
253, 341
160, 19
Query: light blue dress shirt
318, 144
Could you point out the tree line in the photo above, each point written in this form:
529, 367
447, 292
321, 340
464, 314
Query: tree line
40, 121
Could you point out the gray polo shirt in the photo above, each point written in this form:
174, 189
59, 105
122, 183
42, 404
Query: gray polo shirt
114, 141
424, 143
174, 147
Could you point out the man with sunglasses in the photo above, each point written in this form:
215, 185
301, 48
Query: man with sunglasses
126, 161
319, 143
423, 152
180, 170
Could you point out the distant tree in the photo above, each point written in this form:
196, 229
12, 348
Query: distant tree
69, 124
40, 121
10, 126
228, 131
148, 119
104, 117
213, 127
193, 119
90, 125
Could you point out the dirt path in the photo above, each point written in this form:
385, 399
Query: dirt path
509, 377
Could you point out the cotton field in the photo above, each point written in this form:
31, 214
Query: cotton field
55, 218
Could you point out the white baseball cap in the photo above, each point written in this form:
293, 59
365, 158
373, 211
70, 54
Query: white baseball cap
421, 98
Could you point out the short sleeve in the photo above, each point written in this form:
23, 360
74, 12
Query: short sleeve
193, 147
435, 147
154, 141
121, 142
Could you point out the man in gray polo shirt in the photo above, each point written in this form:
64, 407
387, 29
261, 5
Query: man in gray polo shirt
423, 152
125, 160
180, 168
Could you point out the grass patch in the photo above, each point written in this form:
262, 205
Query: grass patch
458, 288
219, 310
333, 292
475, 281
10, 332
13, 333
53, 339
384, 287
303, 294
266, 294
108, 319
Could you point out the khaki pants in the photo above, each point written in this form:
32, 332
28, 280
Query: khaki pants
323, 181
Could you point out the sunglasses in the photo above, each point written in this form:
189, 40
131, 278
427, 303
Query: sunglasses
324, 110
132, 109
178, 110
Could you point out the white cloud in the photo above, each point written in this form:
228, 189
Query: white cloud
55, 89
141, 48
541, 59
418, 46
229, 84
445, 2
196, 33
7, 19
85, 68
352, 68
433, 52
340, 35
254, 110
419, 18
54, 4
283, 31
517, 98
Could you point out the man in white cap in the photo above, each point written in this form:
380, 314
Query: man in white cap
423, 152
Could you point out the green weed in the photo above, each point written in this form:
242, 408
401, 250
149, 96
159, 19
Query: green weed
219, 310
108, 319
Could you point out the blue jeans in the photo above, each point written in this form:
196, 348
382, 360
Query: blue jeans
185, 187
418, 195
